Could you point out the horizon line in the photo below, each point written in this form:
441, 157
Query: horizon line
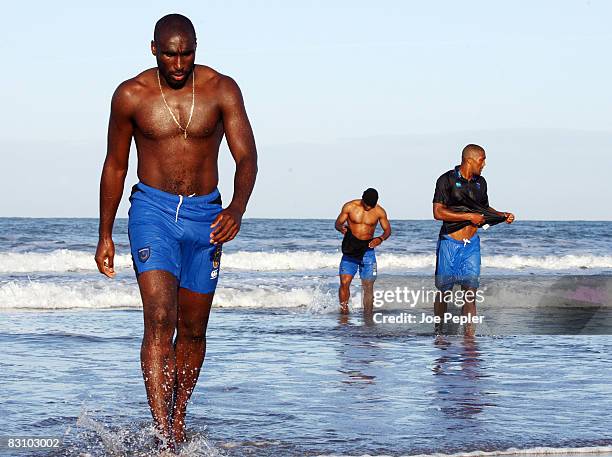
308, 219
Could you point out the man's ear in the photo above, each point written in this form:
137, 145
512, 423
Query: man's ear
153, 48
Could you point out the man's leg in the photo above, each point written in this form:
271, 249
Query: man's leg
439, 310
190, 348
367, 273
470, 303
344, 292
158, 290
443, 280
469, 308
367, 289
470, 272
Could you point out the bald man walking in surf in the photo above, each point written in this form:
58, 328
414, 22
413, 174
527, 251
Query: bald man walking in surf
177, 113
460, 201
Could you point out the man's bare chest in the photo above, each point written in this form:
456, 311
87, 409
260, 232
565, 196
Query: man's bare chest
154, 120
361, 217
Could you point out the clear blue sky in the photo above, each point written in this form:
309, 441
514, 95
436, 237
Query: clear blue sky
342, 95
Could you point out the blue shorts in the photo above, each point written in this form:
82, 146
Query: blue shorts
172, 233
457, 262
366, 266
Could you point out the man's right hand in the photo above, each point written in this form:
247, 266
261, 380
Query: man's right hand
476, 219
342, 229
105, 255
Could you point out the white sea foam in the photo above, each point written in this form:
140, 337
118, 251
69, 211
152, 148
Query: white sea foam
45, 295
313, 260
564, 262
35, 295
68, 261
313, 298
61, 260
137, 441
317, 293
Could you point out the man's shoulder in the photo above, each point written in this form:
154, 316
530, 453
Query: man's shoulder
447, 175
381, 211
210, 77
134, 87
450, 173
350, 205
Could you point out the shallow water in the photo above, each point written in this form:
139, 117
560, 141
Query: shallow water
297, 383
285, 376
48, 263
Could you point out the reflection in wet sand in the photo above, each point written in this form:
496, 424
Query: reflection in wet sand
357, 357
458, 374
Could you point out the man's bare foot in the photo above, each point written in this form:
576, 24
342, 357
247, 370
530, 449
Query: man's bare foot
344, 309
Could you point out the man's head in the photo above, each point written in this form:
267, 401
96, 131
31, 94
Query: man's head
174, 45
474, 157
369, 198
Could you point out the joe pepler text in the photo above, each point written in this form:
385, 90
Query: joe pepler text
424, 318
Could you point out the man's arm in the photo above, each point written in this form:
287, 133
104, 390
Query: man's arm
386, 226
241, 143
342, 218
509, 216
114, 171
442, 213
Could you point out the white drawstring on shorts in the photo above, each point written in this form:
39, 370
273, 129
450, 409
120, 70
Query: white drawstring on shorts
179, 206
465, 240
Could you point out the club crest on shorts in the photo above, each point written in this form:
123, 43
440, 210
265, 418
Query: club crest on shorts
216, 261
144, 254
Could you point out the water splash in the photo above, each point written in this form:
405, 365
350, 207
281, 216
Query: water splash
97, 439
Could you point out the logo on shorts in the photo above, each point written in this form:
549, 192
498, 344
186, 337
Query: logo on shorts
144, 254
213, 274
458, 184
216, 261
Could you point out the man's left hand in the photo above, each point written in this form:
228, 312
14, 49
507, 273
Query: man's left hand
509, 218
375, 242
226, 226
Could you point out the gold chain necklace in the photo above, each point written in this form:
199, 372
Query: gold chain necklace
184, 130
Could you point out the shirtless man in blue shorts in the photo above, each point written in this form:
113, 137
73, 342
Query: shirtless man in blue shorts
177, 113
357, 222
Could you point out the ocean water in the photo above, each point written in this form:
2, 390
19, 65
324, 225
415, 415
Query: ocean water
285, 375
